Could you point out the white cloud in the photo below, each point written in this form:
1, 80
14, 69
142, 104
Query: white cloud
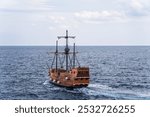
7, 3
56, 19
137, 8
136, 4
24, 5
98, 16
33, 19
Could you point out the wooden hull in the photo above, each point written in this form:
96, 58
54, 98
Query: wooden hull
68, 87
75, 78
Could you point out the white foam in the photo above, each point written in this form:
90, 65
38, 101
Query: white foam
99, 86
46, 82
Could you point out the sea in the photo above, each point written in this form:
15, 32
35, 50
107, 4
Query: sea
116, 73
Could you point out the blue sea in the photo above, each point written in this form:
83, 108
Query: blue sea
116, 73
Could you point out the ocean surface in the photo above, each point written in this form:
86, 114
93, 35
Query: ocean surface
116, 72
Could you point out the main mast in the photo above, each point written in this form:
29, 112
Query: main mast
66, 48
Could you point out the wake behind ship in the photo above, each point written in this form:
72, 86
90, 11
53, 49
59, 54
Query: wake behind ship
73, 75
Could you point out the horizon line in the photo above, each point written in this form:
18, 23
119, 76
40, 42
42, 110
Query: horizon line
85, 45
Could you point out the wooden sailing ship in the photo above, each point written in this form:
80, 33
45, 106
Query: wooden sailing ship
65, 70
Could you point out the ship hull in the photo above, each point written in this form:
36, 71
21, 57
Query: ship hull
75, 78
68, 87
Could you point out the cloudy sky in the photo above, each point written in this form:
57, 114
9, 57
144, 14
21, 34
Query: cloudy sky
94, 22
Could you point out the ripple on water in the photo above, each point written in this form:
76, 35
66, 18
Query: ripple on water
115, 72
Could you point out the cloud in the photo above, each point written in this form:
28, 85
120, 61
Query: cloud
7, 3
25, 6
41, 20
135, 8
20, 10
56, 19
135, 4
62, 21
99, 16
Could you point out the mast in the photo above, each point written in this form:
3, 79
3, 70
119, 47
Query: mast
74, 50
66, 48
56, 55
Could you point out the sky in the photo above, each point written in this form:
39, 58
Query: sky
93, 22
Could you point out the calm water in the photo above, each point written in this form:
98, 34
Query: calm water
116, 73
